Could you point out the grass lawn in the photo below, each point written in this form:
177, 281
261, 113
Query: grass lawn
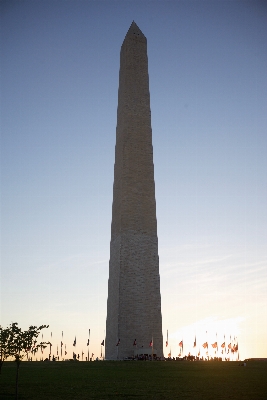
135, 379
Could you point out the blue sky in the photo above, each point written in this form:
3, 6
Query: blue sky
208, 86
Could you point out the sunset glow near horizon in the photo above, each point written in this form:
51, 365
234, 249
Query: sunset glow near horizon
208, 86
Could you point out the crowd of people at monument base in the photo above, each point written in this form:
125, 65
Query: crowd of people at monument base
196, 358
144, 358
185, 358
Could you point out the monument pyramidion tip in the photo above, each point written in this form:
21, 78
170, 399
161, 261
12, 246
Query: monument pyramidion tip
135, 30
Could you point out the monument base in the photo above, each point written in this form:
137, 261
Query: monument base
145, 352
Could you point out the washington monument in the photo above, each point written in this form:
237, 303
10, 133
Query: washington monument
134, 322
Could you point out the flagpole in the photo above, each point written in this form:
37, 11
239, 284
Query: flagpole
88, 352
61, 345
216, 351
167, 342
224, 346
50, 348
104, 346
152, 348
207, 345
230, 348
195, 346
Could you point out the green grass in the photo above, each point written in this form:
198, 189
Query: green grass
135, 379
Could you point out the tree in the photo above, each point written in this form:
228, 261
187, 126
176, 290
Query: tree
6, 347
17, 343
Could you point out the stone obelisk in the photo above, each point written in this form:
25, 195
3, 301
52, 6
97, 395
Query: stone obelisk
134, 302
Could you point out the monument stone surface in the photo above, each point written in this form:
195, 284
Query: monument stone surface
134, 301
